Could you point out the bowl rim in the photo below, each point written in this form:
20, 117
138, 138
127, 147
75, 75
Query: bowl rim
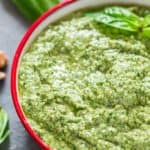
14, 67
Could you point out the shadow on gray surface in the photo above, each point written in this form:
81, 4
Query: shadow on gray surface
4, 146
1, 86
32, 145
10, 7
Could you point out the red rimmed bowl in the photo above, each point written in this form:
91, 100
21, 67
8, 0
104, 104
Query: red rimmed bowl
51, 16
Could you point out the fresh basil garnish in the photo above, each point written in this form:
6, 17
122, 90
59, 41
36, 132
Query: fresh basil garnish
116, 22
4, 128
146, 32
146, 22
123, 19
146, 26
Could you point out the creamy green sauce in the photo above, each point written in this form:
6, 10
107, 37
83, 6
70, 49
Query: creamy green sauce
87, 87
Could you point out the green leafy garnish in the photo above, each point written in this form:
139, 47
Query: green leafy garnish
146, 22
146, 32
4, 129
32, 9
123, 19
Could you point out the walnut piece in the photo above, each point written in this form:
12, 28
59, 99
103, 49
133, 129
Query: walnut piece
3, 59
3, 63
2, 75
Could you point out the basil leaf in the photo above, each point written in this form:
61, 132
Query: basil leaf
4, 130
122, 13
146, 32
116, 22
5, 135
146, 22
117, 17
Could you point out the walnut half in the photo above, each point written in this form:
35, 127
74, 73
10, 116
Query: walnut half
3, 63
2, 75
3, 59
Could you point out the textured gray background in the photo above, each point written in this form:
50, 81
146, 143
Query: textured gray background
12, 27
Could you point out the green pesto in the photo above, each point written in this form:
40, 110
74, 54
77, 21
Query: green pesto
84, 86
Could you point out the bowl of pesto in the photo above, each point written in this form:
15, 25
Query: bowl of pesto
81, 76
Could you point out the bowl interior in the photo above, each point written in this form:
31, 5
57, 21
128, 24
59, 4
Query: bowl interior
53, 16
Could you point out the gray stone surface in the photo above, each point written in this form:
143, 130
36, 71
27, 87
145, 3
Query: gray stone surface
12, 27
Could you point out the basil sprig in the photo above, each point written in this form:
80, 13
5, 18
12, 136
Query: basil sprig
4, 129
146, 25
123, 19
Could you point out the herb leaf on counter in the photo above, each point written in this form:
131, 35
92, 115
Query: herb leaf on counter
32, 9
4, 128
